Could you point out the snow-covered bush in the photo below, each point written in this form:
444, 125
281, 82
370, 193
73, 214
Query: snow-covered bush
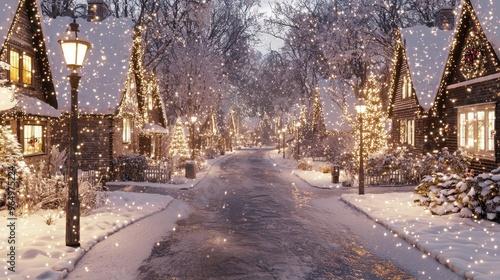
210, 153
444, 162
439, 193
477, 197
11, 160
131, 167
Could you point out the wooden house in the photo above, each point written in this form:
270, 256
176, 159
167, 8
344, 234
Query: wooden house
421, 53
23, 48
120, 111
470, 89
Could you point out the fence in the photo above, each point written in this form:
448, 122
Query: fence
157, 174
392, 178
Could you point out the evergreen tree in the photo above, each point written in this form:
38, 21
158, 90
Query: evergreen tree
375, 134
178, 144
318, 121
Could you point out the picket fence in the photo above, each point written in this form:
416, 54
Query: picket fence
395, 178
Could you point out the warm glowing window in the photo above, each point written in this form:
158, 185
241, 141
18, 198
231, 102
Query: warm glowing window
27, 69
34, 142
153, 147
407, 132
21, 67
127, 130
150, 101
476, 129
14, 66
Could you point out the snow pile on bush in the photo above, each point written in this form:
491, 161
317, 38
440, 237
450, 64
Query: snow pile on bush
476, 197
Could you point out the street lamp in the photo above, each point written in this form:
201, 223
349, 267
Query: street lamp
193, 121
361, 108
74, 50
297, 125
284, 136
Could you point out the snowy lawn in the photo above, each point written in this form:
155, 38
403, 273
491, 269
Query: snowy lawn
40, 250
468, 247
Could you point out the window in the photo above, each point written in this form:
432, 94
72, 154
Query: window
21, 67
127, 130
407, 132
406, 89
476, 129
150, 101
152, 147
33, 140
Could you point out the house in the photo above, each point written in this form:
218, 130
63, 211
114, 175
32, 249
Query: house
420, 58
120, 111
24, 50
470, 89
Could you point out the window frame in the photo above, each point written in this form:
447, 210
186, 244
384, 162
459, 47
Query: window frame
470, 129
407, 131
42, 138
22, 73
126, 130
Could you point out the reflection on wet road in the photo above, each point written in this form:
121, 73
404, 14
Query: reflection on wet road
251, 221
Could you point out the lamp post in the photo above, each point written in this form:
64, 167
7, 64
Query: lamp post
193, 121
297, 125
360, 108
284, 136
74, 50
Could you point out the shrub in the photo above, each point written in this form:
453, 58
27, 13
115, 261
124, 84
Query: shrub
131, 167
210, 153
325, 168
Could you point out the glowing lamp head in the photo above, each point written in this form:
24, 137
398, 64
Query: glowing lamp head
297, 124
193, 119
74, 49
360, 107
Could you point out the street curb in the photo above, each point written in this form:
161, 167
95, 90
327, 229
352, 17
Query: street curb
210, 168
409, 240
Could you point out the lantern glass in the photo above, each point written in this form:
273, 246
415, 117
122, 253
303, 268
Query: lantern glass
74, 49
360, 107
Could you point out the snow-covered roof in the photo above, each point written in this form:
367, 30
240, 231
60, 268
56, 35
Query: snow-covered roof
104, 73
488, 14
427, 51
154, 128
8, 10
35, 107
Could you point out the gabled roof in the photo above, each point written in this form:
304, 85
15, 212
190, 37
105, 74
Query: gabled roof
488, 14
426, 52
104, 74
8, 10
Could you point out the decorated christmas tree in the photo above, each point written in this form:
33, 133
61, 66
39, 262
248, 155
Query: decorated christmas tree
178, 144
374, 121
318, 121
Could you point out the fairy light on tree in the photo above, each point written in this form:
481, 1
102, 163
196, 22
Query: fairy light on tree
178, 145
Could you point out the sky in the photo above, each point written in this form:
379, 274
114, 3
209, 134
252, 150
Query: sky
267, 41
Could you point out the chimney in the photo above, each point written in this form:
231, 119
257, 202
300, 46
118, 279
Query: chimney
444, 18
98, 10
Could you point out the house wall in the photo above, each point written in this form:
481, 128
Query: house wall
26, 37
477, 93
470, 95
406, 109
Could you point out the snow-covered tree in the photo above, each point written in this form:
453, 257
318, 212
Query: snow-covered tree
7, 100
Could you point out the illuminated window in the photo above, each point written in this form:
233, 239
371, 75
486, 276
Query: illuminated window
21, 67
33, 140
406, 89
14, 66
27, 68
476, 129
150, 101
407, 132
153, 147
127, 130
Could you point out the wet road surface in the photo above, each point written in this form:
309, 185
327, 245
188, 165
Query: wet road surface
250, 220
